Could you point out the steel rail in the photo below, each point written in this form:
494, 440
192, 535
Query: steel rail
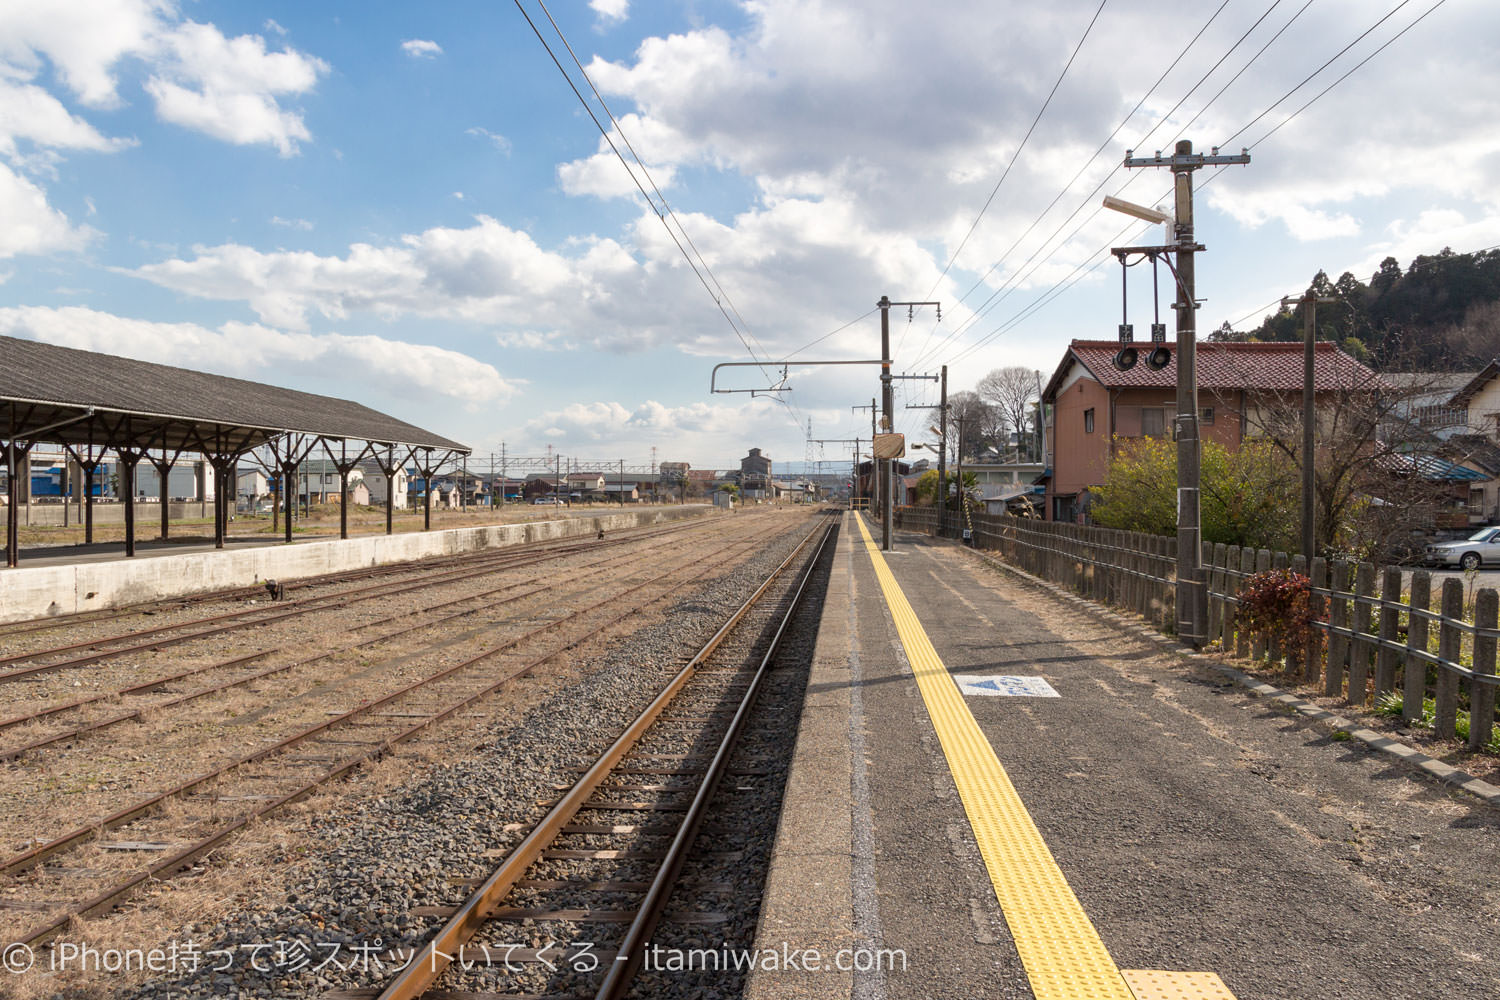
488, 563
557, 546
618, 979
28, 627
180, 860
420, 584
427, 965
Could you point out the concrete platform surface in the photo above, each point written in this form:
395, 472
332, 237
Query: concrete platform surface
1212, 843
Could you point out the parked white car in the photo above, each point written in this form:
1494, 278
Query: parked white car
1480, 549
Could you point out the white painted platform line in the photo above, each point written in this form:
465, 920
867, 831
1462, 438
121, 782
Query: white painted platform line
1005, 686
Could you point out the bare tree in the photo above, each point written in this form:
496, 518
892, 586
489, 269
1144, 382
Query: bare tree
1012, 391
1375, 474
977, 420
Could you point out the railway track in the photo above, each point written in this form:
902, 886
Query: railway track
50, 881
426, 573
642, 803
344, 600
13, 631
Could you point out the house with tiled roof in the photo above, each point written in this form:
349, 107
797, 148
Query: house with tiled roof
1095, 408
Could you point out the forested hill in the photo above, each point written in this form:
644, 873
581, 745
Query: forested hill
1441, 313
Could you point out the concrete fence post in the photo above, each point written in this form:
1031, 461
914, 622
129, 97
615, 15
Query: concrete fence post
1247, 568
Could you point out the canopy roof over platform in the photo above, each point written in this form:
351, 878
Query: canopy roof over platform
75, 397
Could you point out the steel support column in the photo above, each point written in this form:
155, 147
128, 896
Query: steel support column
128, 462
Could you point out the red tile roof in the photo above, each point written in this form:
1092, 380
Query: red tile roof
1269, 367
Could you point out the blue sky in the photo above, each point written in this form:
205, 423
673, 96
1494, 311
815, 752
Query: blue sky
404, 203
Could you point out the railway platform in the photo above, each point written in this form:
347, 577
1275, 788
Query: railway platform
996, 793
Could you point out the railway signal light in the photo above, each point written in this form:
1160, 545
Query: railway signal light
1125, 357
1160, 355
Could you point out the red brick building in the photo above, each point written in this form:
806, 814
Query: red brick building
1095, 407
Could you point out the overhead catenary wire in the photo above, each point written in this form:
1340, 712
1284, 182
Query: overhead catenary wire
1251, 124
700, 266
1068, 186
1002, 292
1031, 309
1022, 145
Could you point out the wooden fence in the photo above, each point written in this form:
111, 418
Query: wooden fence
1436, 651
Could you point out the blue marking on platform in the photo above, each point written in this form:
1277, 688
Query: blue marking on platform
993, 685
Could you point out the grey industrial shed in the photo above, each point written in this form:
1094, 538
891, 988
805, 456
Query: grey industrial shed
94, 403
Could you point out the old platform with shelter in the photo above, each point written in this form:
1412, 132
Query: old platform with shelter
95, 405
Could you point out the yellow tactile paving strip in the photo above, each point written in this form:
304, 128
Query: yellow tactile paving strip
1176, 985
1062, 953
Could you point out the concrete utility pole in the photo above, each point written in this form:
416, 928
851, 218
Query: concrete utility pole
887, 407
942, 497
942, 408
1192, 598
1309, 303
873, 500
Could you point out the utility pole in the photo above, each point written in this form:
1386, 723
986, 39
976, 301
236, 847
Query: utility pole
887, 406
942, 497
942, 408
1309, 302
873, 500
1192, 598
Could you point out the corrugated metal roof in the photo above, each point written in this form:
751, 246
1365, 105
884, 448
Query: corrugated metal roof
1270, 367
66, 379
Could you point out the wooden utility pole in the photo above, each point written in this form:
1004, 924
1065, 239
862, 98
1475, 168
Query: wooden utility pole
1192, 598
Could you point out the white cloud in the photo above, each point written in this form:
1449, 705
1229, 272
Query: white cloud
271, 25
29, 113
604, 176
301, 224
421, 48
535, 340
228, 87
247, 350
790, 268
31, 225
83, 39
606, 425
497, 140
612, 11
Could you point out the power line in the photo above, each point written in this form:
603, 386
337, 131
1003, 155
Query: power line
1067, 187
1003, 291
700, 266
1021, 272
1017, 153
1350, 71
830, 333
1210, 102
1315, 72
